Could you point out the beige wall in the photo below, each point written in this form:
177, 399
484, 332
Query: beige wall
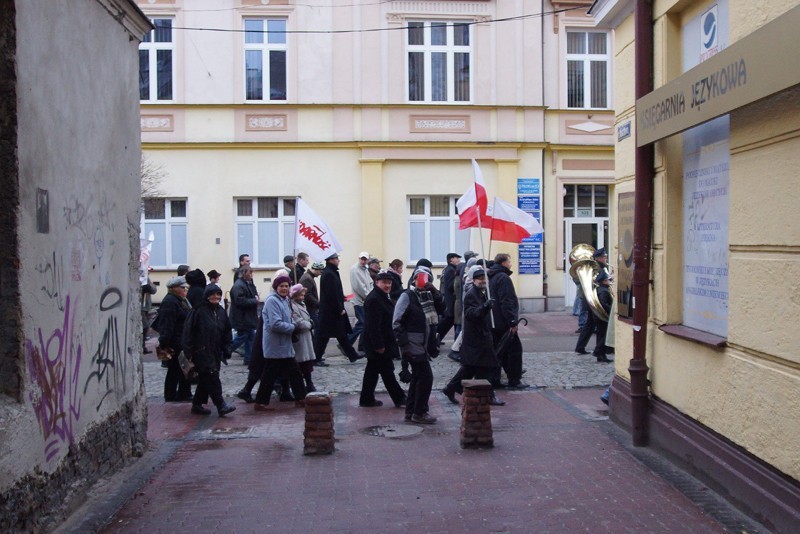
748, 391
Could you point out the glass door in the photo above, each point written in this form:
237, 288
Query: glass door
591, 231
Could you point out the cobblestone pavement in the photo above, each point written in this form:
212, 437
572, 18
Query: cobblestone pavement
553, 369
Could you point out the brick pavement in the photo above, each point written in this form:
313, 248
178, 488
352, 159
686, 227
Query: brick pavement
558, 464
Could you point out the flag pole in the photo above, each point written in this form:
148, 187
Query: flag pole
294, 245
485, 270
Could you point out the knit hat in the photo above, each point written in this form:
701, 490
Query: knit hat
295, 289
318, 265
280, 280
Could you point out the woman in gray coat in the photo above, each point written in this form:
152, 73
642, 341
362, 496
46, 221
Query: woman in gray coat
278, 346
304, 343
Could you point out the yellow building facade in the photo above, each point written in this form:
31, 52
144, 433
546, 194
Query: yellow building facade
721, 347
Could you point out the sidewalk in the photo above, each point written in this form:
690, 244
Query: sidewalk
558, 465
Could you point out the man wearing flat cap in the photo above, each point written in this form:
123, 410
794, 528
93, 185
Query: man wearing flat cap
333, 321
448, 290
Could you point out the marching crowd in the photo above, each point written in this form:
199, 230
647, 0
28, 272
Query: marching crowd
285, 341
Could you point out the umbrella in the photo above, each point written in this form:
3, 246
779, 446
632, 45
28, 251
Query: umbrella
505, 339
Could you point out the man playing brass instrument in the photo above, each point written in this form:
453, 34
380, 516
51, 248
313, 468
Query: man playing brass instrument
593, 323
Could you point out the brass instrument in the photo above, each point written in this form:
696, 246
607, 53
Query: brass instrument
584, 269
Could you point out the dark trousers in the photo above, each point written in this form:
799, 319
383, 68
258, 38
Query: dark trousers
467, 372
380, 365
419, 391
445, 324
586, 332
358, 328
321, 343
176, 387
274, 368
600, 348
510, 359
208, 385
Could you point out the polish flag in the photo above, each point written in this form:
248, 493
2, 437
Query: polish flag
473, 202
312, 234
511, 224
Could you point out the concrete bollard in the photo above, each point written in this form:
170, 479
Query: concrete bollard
318, 433
476, 418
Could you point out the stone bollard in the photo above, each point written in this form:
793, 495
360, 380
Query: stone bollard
476, 419
318, 434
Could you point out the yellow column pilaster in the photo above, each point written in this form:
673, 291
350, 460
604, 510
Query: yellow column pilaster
372, 211
507, 174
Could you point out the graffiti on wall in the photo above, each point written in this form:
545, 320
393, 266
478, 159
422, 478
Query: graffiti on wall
108, 364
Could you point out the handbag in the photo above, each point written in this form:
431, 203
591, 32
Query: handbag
187, 366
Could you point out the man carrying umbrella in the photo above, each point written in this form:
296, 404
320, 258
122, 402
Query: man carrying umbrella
506, 316
477, 351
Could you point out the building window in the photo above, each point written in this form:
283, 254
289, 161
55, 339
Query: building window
433, 228
156, 70
265, 229
438, 62
166, 219
265, 59
588, 67
581, 200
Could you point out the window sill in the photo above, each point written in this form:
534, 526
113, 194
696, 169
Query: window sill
692, 334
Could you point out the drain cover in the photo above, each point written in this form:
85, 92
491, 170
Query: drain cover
392, 431
232, 430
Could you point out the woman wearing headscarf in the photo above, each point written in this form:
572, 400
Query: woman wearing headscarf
304, 344
414, 324
278, 346
171, 317
207, 342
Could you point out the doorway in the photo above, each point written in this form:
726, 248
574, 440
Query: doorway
591, 231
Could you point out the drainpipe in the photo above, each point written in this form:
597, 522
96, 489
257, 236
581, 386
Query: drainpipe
643, 226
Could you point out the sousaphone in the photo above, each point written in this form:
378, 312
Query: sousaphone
584, 269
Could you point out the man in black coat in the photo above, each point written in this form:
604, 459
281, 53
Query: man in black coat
333, 321
244, 311
605, 298
506, 316
380, 344
447, 288
477, 349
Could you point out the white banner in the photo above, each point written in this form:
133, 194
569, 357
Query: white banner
312, 233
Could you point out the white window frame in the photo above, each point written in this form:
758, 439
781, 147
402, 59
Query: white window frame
587, 59
265, 48
152, 48
454, 244
450, 49
169, 221
258, 257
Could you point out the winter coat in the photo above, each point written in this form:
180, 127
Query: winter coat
256, 365
304, 346
197, 284
331, 303
278, 328
415, 337
169, 324
312, 295
447, 289
244, 305
361, 282
477, 347
378, 333
605, 297
207, 337
458, 303
506, 305
397, 286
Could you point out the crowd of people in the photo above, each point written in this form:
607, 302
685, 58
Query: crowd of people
283, 342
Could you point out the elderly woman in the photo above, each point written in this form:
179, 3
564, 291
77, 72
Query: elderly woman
277, 344
304, 344
171, 317
207, 342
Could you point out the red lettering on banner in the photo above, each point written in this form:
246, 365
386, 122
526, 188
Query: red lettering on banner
315, 234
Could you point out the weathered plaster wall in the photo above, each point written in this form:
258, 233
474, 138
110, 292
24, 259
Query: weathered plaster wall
80, 411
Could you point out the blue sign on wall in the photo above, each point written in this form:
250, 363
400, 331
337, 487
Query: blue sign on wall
528, 186
529, 203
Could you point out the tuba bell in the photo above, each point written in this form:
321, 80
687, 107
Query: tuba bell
584, 269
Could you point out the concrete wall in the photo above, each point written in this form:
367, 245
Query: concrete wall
748, 391
79, 410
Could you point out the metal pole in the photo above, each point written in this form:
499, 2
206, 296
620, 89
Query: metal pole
642, 234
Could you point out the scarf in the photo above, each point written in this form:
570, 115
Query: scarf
426, 301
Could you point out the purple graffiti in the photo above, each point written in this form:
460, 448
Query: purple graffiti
315, 234
54, 367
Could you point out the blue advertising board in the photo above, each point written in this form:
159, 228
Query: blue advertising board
528, 186
529, 203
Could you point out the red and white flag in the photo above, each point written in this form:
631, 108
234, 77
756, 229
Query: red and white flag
474, 202
511, 224
312, 233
